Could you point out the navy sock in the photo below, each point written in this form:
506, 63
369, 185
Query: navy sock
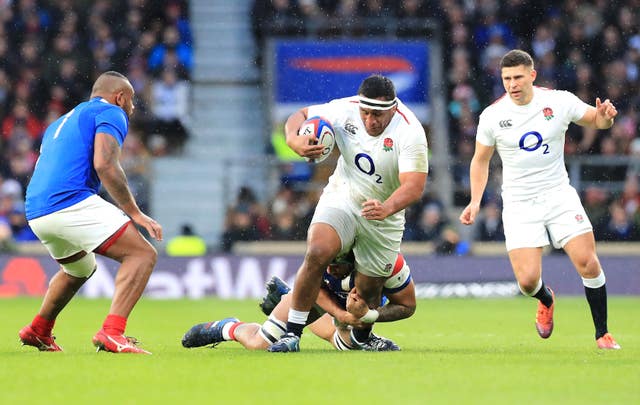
544, 295
361, 335
295, 328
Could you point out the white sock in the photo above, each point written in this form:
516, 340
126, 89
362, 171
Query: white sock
298, 317
595, 282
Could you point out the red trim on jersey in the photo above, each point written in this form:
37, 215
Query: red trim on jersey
398, 265
111, 240
403, 116
499, 98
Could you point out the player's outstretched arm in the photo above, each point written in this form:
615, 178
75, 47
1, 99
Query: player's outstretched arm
599, 117
106, 160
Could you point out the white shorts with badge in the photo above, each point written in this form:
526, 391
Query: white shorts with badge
556, 216
82, 226
375, 244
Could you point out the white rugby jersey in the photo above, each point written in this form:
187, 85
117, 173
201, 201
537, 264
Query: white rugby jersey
530, 140
368, 166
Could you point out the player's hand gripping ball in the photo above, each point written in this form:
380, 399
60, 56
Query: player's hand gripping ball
323, 131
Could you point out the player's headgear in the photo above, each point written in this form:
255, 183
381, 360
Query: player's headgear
374, 88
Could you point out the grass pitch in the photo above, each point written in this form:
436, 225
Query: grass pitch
454, 351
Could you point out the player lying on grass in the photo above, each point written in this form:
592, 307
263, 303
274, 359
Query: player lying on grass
329, 318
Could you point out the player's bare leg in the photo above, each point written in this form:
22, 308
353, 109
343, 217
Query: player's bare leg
527, 268
582, 252
323, 245
137, 258
61, 290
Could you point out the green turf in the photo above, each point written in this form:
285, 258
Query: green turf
453, 351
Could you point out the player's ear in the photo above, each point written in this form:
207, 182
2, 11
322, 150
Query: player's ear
119, 99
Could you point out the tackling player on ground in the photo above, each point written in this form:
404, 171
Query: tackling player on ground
527, 128
337, 309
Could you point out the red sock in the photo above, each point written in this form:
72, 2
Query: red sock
42, 326
232, 330
114, 324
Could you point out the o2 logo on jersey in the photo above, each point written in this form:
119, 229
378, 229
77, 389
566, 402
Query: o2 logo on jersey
366, 166
536, 146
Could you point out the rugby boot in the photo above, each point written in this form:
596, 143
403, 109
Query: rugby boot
43, 343
276, 288
544, 317
287, 343
607, 342
116, 343
206, 333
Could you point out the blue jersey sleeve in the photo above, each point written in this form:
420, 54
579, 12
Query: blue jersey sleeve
113, 121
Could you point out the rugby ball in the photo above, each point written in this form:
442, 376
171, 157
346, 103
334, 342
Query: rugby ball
323, 131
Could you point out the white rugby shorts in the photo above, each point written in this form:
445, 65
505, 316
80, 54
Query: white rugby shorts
82, 226
375, 244
556, 216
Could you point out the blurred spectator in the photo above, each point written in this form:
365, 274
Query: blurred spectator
22, 121
277, 18
171, 53
489, 226
620, 226
246, 220
429, 226
187, 243
595, 201
169, 103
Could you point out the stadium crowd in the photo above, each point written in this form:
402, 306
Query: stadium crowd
51, 51
590, 48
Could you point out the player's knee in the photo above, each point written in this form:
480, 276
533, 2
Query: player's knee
318, 256
589, 267
528, 285
82, 268
149, 258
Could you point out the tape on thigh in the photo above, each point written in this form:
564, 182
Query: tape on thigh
82, 268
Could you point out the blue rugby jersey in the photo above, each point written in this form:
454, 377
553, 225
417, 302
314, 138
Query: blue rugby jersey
64, 174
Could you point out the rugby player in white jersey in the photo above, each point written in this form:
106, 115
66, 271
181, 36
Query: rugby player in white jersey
381, 170
80, 152
527, 127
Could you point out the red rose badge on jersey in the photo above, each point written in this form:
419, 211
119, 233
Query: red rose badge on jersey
388, 144
548, 113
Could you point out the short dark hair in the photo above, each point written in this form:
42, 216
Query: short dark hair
516, 57
376, 86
